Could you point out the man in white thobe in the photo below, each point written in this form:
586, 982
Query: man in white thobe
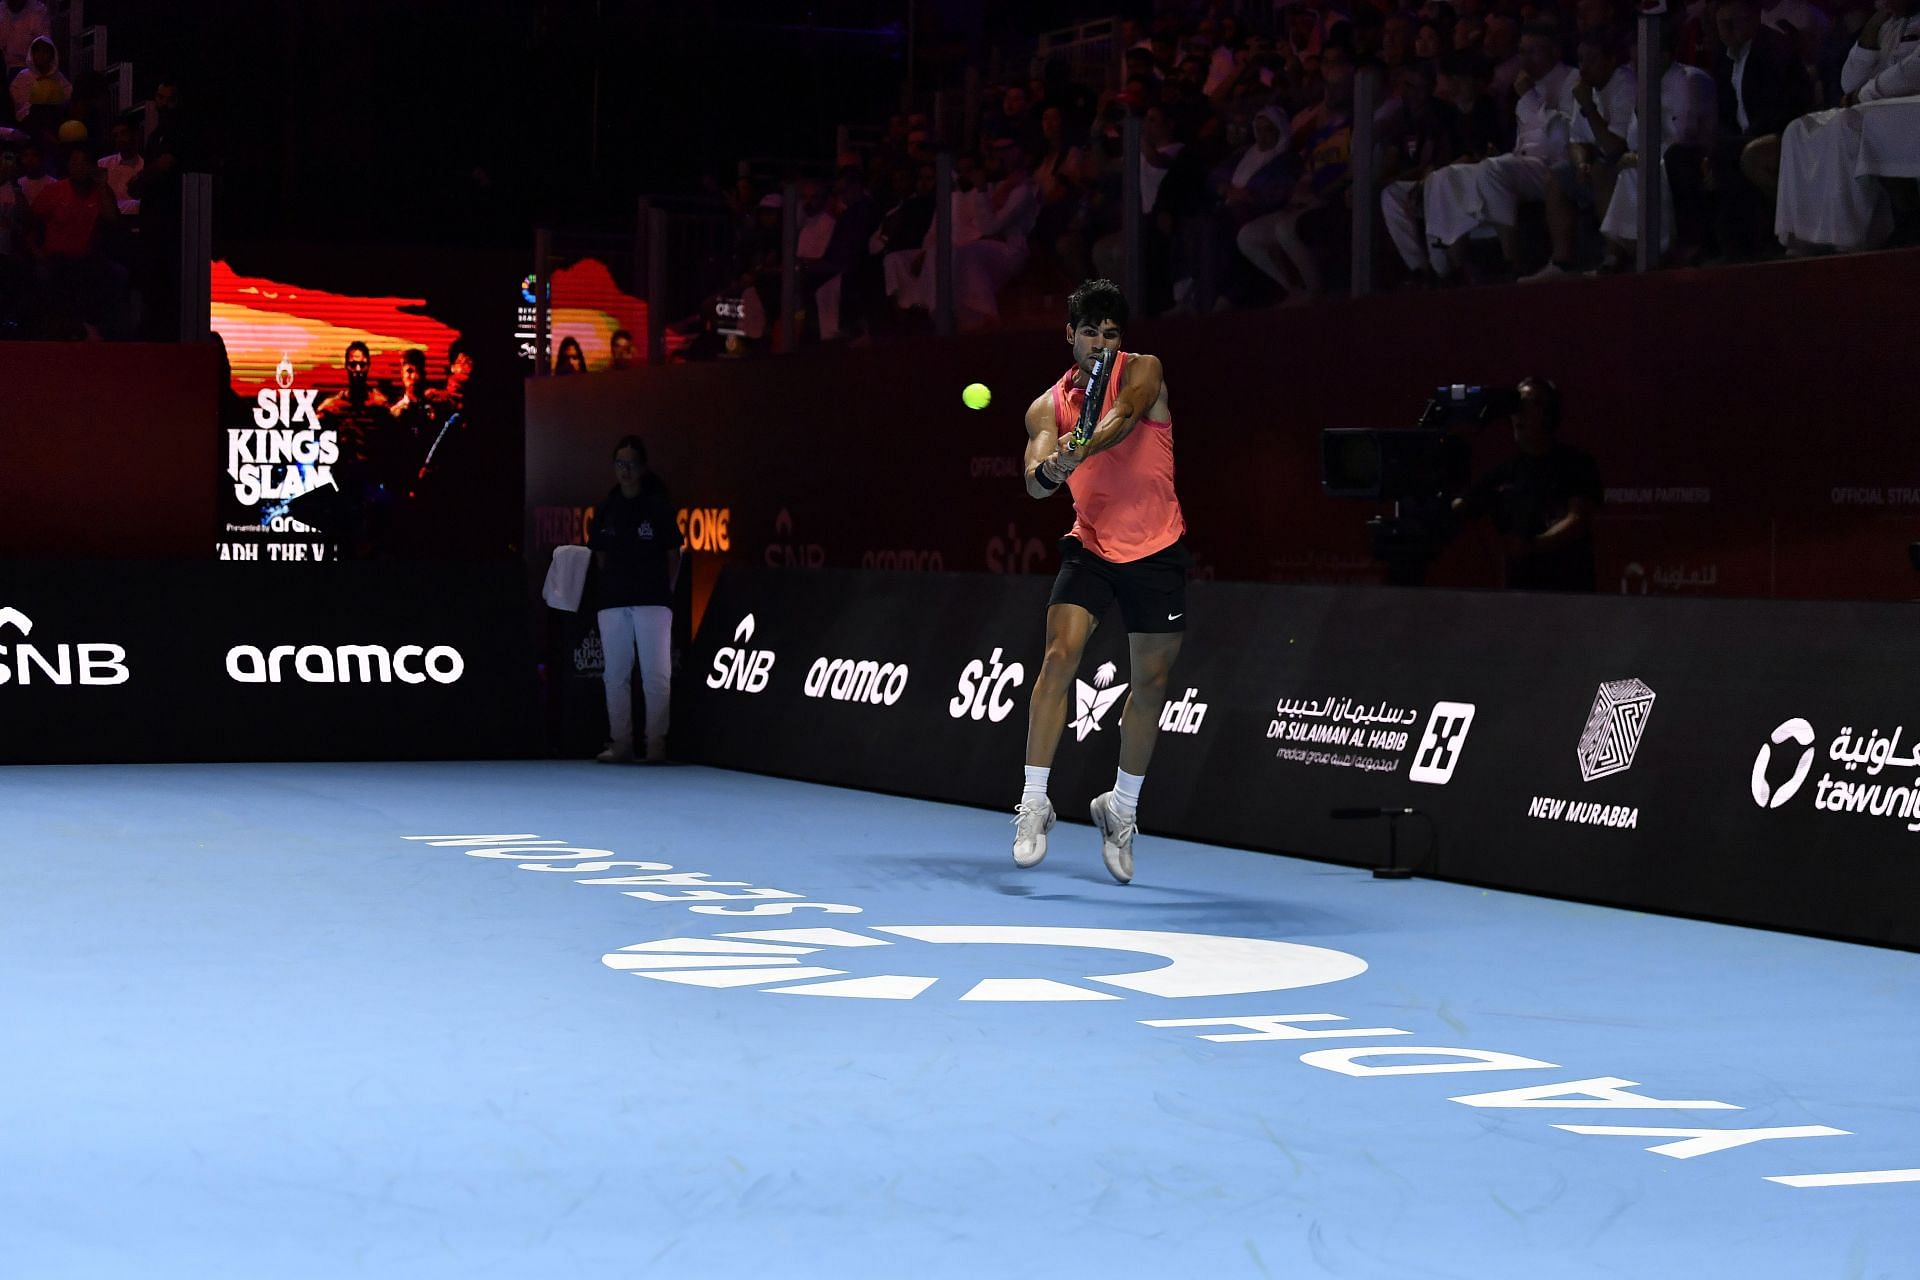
1462, 197
1827, 195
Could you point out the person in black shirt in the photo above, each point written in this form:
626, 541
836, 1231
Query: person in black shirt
636, 552
1542, 500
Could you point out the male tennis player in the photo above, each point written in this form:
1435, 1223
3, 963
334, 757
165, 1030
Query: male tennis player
1103, 431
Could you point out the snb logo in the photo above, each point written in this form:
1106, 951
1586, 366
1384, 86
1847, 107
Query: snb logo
1615, 726
1440, 745
982, 694
736, 666
97, 663
1797, 731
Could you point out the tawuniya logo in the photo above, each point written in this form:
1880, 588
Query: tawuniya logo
1873, 752
96, 663
1093, 701
982, 694
345, 664
737, 666
1440, 745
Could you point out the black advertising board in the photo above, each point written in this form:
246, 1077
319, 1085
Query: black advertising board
1742, 760
106, 662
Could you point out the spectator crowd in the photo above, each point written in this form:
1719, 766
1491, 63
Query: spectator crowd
1506, 146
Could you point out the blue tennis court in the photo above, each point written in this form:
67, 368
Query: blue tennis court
549, 1019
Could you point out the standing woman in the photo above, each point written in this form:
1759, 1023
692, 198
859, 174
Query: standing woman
636, 548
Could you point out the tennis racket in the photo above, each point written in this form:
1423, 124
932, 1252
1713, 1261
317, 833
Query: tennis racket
1103, 363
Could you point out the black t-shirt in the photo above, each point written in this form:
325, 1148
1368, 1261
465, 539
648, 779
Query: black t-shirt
637, 534
1525, 496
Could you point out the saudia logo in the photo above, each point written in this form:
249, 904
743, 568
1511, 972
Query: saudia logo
983, 690
1093, 701
287, 438
345, 664
97, 663
736, 666
847, 680
1183, 716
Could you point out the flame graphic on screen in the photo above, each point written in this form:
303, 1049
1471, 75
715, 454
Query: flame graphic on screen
586, 304
276, 331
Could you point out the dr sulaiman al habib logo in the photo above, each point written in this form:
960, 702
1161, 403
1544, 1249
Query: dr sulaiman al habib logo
737, 666
1874, 752
93, 664
345, 664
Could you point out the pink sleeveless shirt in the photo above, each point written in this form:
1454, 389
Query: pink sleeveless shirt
1124, 506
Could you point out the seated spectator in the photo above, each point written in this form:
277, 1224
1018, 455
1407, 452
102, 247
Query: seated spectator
1603, 96
1017, 118
1836, 47
1172, 186
1396, 41
1254, 181
1464, 197
1500, 41
982, 267
1286, 244
40, 91
122, 166
13, 230
21, 23
823, 281
1800, 21
903, 228
1431, 40
1762, 87
1061, 178
1824, 199
1689, 100
911, 279
1449, 119
73, 216
34, 177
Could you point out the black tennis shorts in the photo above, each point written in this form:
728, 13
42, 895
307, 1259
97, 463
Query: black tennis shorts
1152, 591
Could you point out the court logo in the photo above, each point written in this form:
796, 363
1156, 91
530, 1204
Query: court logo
1615, 726
1183, 716
1093, 701
1797, 731
983, 692
345, 664
805, 962
737, 666
70, 663
848, 680
1440, 745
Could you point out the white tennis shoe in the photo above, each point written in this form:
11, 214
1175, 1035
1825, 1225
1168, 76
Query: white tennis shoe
1032, 820
1116, 837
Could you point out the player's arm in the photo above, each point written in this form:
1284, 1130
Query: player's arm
1043, 443
1139, 391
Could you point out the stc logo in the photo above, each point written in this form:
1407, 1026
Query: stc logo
738, 667
98, 663
347, 664
1440, 745
1794, 730
983, 690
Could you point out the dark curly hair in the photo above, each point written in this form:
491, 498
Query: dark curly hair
1097, 301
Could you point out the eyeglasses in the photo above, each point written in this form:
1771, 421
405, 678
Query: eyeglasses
624, 465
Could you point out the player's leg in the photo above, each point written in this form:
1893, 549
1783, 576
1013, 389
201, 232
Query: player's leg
1153, 601
1081, 593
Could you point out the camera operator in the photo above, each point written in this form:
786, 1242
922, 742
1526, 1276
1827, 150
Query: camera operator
1541, 501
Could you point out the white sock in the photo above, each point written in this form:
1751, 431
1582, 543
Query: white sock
1036, 784
1126, 792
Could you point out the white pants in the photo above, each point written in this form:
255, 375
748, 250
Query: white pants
1824, 198
1622, 220
1404, 226
1461, 197
645, 631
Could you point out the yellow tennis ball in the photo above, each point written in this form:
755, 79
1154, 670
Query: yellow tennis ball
976, 396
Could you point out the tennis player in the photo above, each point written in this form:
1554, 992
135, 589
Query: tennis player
1104, 432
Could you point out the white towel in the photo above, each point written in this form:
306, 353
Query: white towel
567, 577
